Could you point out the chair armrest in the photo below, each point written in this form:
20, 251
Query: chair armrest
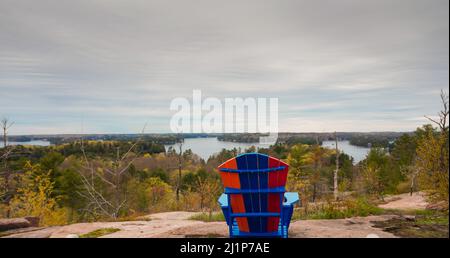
223, 200
291, 198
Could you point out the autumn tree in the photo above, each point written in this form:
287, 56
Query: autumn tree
209, 190
159, 192
299, 178
35, 197
432, 157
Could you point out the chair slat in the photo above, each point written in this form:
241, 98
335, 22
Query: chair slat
256, 214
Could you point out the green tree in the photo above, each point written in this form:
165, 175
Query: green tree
404, 150
68, 184
152, 194
51, 161
376, 172
161, 174
403, 155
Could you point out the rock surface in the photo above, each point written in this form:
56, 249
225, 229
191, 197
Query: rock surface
178, 224
7, 224
357, 227
405, 202
440, 206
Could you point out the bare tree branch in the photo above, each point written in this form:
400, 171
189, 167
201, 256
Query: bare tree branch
443, 114
96, 200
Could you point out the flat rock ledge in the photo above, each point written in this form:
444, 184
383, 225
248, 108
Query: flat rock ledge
16, 223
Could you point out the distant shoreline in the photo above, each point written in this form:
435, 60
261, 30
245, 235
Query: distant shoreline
361, 139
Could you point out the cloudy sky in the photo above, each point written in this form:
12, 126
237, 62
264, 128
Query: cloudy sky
109, 66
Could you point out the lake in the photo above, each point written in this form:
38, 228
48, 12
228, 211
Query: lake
205, 147
36, 143
358, 153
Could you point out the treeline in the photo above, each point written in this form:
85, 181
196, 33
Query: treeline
103, 149
62, 139
380, 139
165, 139
240, 137
283, 138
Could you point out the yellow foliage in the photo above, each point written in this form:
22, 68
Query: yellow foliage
34, 198
299, 156
189, 201
158, 191
208, 190
432, 165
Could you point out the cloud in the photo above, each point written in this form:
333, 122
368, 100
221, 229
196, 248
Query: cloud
117, 64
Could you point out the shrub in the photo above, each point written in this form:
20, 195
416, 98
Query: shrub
206, 217
403, 187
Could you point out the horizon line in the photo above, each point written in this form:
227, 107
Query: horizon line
170, 133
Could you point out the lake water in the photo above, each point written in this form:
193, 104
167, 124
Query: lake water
358, 153
205, 147
36, 143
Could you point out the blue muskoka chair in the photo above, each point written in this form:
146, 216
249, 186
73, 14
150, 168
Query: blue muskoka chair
255, 202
